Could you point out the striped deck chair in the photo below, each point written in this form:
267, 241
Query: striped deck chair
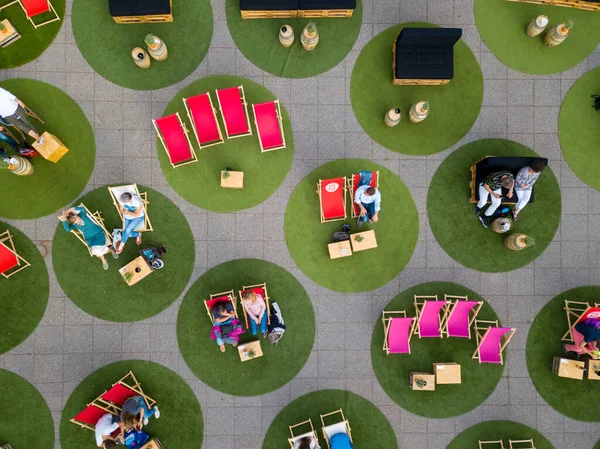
10, 260
203, 118
260, 289
332, 199
267, 117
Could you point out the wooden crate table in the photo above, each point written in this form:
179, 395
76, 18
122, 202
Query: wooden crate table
11, 35
427, 377
153, 443
578, 4
593, 366
573, 369
447, 373
253, 345
339, 249
234, 181
52, 149
368, 241
140, 263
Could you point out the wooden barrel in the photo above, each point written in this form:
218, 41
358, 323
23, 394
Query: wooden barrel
140, 57
20, 166
418, 111
158, 50
309, 40
537, 26
502, 225
556, 36
392, 118
515, 242
286, 36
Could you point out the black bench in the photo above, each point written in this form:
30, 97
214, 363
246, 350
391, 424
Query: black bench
141, 11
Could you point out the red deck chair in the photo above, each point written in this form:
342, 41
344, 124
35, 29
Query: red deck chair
203, 118
260, 289
33, 8
89, 416
10, 261
267, 117
234, 111
354, 183
175, 140
332, 199
228, 296
123, 389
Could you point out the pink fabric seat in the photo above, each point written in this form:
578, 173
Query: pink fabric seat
203, 118
399, 335
268, 124
233, 111
171, 131
429, 319
489, 348
458, 324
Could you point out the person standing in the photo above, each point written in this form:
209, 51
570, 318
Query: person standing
132, 208
368, 200
524, 182
12, 110
492, 185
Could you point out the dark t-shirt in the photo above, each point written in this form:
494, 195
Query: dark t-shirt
590, 333
216, 315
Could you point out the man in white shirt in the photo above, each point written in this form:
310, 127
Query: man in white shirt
368, 200
105, 426
12, 110
132, 209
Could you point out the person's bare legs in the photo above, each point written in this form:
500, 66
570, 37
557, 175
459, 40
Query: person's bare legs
35, 135
104, 262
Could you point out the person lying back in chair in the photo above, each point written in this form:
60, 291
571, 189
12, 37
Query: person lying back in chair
255, 308
227, 327
368, 200
307, 442
132, 208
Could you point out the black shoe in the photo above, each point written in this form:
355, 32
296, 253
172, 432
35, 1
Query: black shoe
477, 210
484, 221
564, 348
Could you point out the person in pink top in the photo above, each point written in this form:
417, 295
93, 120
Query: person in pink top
255, 307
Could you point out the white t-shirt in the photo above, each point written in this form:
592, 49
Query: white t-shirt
105, 426
136, 202
8, 105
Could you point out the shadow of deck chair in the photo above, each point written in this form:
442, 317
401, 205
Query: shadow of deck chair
332, 199
234, 111
269, 125
227, 296
576, 313
96, 217
117, 191
203, 117
173, 136
123, 389
397, 332
34, 8
260, 289
295, 438
355, 181
6, 446
461, 316
491, 341
340, 430
10, 260
431, 314
497, 444
521, 444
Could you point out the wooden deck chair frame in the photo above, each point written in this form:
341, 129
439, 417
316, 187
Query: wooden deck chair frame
6, 446
419, 303
232, 298
574, 310
480, 337
386, 319
245, 105
266, 298
496, 442
108, 407
214, 113
143, 196
344, 420
452, 301
279, 120
6, 240
96, 217
130, 381
518, 444
350, 181
187, 137
36, 26
345, 187
303, 423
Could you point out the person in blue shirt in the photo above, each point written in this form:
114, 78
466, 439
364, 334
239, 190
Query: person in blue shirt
368, 200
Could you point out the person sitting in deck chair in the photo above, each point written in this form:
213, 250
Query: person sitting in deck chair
308, 442
586, 337
95, 238
492, 185
255, 307
132, 209
368, 200
105, 426
136, 407
227, 328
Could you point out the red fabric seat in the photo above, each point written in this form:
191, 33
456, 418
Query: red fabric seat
355, 186
267, 124
332, 198
8, 259
175, 140
204, 119
234, 113
34, 7
90, 415
212, 302
118, 394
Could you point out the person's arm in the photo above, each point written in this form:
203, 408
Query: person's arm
141, 420
263, 309
357, 195
139, 207
249, 312
583, 345
488, 188
521, 179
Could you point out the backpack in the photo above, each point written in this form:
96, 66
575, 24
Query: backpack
276, 325
342, 235
596, 105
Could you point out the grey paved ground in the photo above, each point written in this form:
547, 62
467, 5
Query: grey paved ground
69, 344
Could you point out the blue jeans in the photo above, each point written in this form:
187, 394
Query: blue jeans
11, 142
129, 229
263, 324
224, 340
140, 405
370, 211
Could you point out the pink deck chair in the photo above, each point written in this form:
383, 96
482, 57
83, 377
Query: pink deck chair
431, 314
491, 344
267, 117
397, 332
354, 183
332, 199
234, 111
174, 137
203, 118
33, 8
461, 316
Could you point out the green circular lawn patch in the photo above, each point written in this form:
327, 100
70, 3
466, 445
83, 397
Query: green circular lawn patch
454, 106
105, 294
20, 318
106, 45
502, 26
498, 430
597, 446
579, 128
369, 427
459, 231
478, 379
263, 172
544, 343
52, 185
179, 408
258, 40
279, 363
32, 42
396, 232
27, 407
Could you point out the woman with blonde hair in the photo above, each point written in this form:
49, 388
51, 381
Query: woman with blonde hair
255, 308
